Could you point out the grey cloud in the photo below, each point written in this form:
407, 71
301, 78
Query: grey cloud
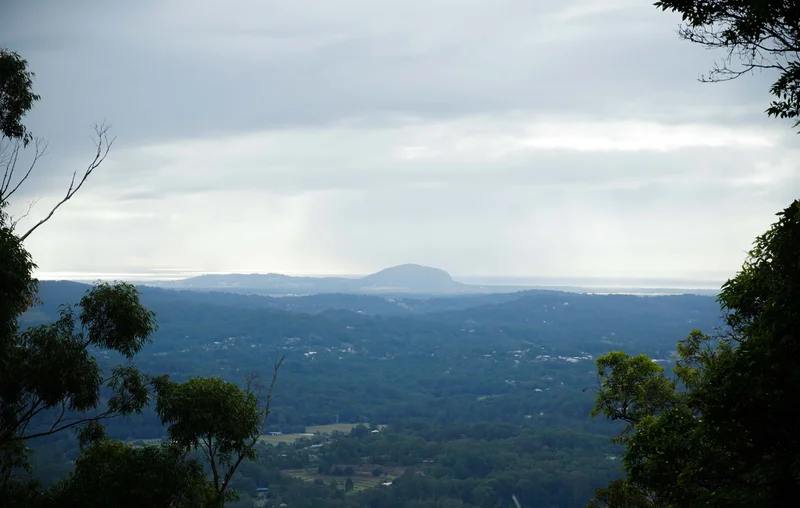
656, 230
249, 132
186, 72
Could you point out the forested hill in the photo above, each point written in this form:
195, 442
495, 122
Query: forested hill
568, 322
495, 305
55, 292
524, 359
402, 279
343, 360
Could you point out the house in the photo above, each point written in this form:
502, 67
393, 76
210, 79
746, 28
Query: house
261, 496
275, 433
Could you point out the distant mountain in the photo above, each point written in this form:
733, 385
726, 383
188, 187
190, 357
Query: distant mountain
274, 282
54, 293
416, 277
408, 279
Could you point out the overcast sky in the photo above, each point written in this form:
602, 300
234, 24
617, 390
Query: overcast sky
484, 137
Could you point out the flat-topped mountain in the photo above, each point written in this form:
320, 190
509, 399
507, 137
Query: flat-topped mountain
402, 279
413, 276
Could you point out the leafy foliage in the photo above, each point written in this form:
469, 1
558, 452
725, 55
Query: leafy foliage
51, 382
49, 379
110, 474
215, 417
719, 432
18, 287
763, 34
113, 318
16, 95
631, 388
451, 369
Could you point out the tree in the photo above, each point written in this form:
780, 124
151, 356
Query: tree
722, 434
632, 388
110, 473
751, 386
761, 34
16, 95
217, 418
721, 431
50, 381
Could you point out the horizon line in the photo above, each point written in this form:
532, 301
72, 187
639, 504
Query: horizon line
597, 281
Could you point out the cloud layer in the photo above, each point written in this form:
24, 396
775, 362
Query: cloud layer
510, 137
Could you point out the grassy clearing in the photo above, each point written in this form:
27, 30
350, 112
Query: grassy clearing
286, 438
310, 431
334, 427
487, 397
361, 481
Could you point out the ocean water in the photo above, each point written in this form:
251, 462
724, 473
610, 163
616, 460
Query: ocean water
595, 282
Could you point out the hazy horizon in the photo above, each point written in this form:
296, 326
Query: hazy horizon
162, 275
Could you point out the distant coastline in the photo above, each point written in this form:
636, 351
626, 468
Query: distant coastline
591, 285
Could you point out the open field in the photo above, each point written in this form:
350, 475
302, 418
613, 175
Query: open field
361, 481
334, 427
286, 438
310, 431
487, 397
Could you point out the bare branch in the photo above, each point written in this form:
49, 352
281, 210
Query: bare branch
103, 146
16, 220
209, 451
40, 149
23, 420
770, 50
267, 404
9, 160
102, 416
61, 416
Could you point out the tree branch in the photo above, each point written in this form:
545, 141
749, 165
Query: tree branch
241, 455
101, 416
211, 460
40, 149
23, 420
10, 162
61, 416
103, 146
16, 220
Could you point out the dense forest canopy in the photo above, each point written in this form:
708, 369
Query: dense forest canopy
518, 369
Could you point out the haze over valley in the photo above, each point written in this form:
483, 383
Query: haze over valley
408, 279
